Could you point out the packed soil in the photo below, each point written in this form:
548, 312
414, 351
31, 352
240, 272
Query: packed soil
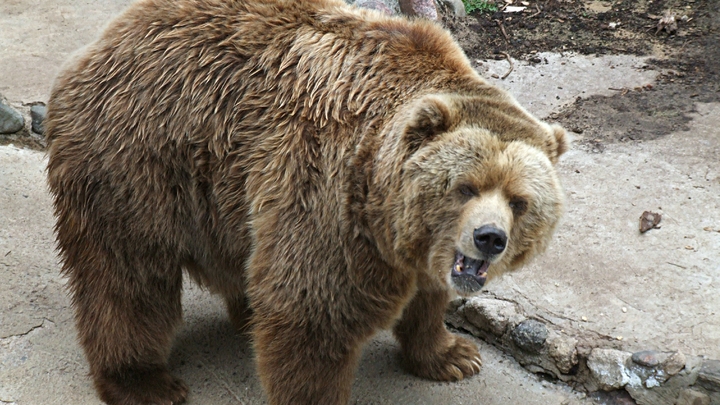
687, 55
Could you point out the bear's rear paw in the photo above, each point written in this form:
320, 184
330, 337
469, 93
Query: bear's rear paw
461, 359
155, 386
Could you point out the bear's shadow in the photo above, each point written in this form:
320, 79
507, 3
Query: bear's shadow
217, 363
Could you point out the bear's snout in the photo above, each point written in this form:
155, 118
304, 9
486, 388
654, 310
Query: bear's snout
490, 240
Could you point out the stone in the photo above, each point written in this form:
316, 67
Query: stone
455, 304
563, 350
670, 362
11, 121
674, 363
37, 114
457, 7
530, 335
709, 375
491, 315
609, 368
692, 397
647, 358
421, 8
375, 5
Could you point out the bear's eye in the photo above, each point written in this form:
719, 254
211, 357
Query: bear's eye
468, 190
518, 206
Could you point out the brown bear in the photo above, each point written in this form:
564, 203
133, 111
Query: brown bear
330, 171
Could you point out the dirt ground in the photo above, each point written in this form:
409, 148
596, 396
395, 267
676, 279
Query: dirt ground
688, 57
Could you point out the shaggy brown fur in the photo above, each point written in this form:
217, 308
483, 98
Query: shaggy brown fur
301, 156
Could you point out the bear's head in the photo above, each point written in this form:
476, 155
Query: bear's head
478, 191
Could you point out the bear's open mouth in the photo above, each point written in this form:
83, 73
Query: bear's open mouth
469, 275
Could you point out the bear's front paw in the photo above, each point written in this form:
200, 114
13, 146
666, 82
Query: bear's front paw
142, 387
461, 359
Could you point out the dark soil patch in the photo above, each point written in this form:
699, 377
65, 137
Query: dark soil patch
641, 114
689, 58
23, 139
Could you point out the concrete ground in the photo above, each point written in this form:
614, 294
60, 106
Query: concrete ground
657, 290
600, 277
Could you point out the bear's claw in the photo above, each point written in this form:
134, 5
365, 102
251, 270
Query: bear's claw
156, 387
459, 361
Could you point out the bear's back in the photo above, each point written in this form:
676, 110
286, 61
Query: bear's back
210, 70
230, 101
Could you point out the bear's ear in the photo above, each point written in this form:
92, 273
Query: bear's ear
561, 142
430, 116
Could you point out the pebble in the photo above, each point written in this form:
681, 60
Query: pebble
671, 363
37, 113
422, 8
456, 6
530, 335
674, 363
375, 5
11, 121
647, 358
491, 315
608, 368
563, 350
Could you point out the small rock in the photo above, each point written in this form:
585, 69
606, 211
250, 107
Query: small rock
422, 8
457, 6
649, 220
375, 5
709, 375
11, 121
668, 23
608, 367
455, 304
674, 363
490, 314
530, 335
692, 397
564, 351
37, 113
647, 358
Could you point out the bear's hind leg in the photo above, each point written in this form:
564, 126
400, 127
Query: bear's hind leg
239, 311
429, 349
127, 310
229, 283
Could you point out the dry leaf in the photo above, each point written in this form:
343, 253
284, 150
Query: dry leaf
649, 220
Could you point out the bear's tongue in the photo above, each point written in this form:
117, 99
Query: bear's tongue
469, 266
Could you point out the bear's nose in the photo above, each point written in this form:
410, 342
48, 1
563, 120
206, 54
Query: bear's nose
490, 240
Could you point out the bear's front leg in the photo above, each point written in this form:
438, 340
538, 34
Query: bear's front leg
429, 349
300, 364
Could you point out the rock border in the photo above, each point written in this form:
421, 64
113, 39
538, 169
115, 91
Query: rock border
586, 363
430, 9
28, 129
